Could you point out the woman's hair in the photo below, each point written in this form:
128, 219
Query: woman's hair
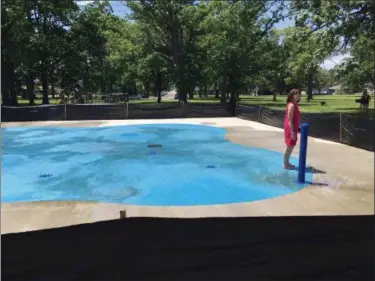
291, 94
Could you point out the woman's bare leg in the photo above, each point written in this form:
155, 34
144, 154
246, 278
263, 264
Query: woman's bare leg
288, 151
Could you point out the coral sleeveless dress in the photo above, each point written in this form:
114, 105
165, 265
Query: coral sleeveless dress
295, 122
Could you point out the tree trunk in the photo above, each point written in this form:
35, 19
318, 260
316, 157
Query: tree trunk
181, 85
191, 94
216, 92
223, 89
4, 82
12, 85
53, 87
110, 86
23, 92
232, 89
30, 88
223, 97
179, 61
44, 65
158, 86
309, 87
102, 86
30, 84
135, 88
4, 56
205, 91
44, 82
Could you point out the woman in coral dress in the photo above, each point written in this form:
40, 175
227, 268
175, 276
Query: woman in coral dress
291, 124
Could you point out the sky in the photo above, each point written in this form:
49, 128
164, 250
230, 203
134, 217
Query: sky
119, 9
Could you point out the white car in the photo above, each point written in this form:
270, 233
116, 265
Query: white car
135, 97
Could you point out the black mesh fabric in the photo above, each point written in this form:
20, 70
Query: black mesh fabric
220, 249
175, 110
248, 112
358, 131
324, 126
272, 117
32, 113
114, 111
95, 111
354, 130
200, 110
155, 111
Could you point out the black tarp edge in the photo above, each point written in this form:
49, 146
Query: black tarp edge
263, 248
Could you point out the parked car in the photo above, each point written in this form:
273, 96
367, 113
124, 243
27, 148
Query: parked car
135, 97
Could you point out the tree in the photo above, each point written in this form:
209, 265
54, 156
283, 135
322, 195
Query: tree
164, 18
49, 21
234, 32
221, 47
154, 64
324, 78
13, 26
306, 56
349, 19
357, 71
273, 63
85, 65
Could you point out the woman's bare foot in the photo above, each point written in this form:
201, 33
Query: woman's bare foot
289, 166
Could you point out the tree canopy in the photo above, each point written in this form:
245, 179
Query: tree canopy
224, 48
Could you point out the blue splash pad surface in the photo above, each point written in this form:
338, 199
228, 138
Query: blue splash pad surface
195, 165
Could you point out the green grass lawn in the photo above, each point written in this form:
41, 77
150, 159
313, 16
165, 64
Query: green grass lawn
333, 103
209, 99
37, 101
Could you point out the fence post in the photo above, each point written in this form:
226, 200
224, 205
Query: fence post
340, 127
259, 109
65, 111
127, 110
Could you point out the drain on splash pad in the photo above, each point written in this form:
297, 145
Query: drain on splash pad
44, 176
154, 145
211, 167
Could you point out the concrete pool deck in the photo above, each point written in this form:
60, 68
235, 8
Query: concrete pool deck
343, 183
